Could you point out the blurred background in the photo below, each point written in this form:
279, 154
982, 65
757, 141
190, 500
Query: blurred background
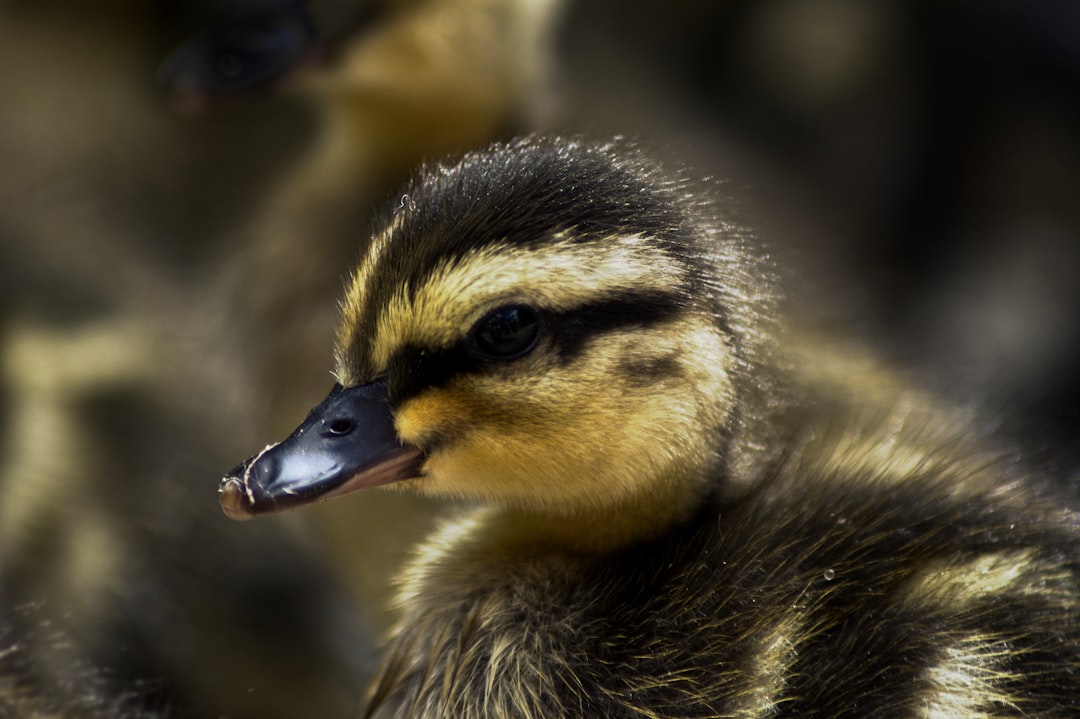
185, 183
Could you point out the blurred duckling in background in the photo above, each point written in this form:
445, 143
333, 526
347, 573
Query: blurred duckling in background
688, 507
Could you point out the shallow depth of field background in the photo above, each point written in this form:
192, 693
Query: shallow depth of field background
170, 262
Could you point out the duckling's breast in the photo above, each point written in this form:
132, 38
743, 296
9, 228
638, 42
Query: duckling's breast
844, 600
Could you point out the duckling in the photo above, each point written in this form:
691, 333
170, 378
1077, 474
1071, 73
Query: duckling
685, 508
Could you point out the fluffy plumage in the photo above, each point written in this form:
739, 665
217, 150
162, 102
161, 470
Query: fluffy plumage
690, 509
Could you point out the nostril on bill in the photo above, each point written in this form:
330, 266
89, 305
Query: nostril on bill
340, 427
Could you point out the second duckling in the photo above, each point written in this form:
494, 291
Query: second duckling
684, 514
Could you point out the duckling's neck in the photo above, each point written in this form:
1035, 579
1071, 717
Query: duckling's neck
493, 545
596, 530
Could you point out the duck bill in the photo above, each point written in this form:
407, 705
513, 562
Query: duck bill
348, 442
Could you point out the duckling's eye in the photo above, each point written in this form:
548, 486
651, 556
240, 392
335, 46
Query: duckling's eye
505, 333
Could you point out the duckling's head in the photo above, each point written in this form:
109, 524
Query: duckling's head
551, 325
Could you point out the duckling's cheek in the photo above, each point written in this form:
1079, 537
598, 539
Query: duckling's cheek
557, 456
624, 419
424, 415
441, 416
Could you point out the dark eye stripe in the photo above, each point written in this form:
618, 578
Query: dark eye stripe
621, 310
413, 369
